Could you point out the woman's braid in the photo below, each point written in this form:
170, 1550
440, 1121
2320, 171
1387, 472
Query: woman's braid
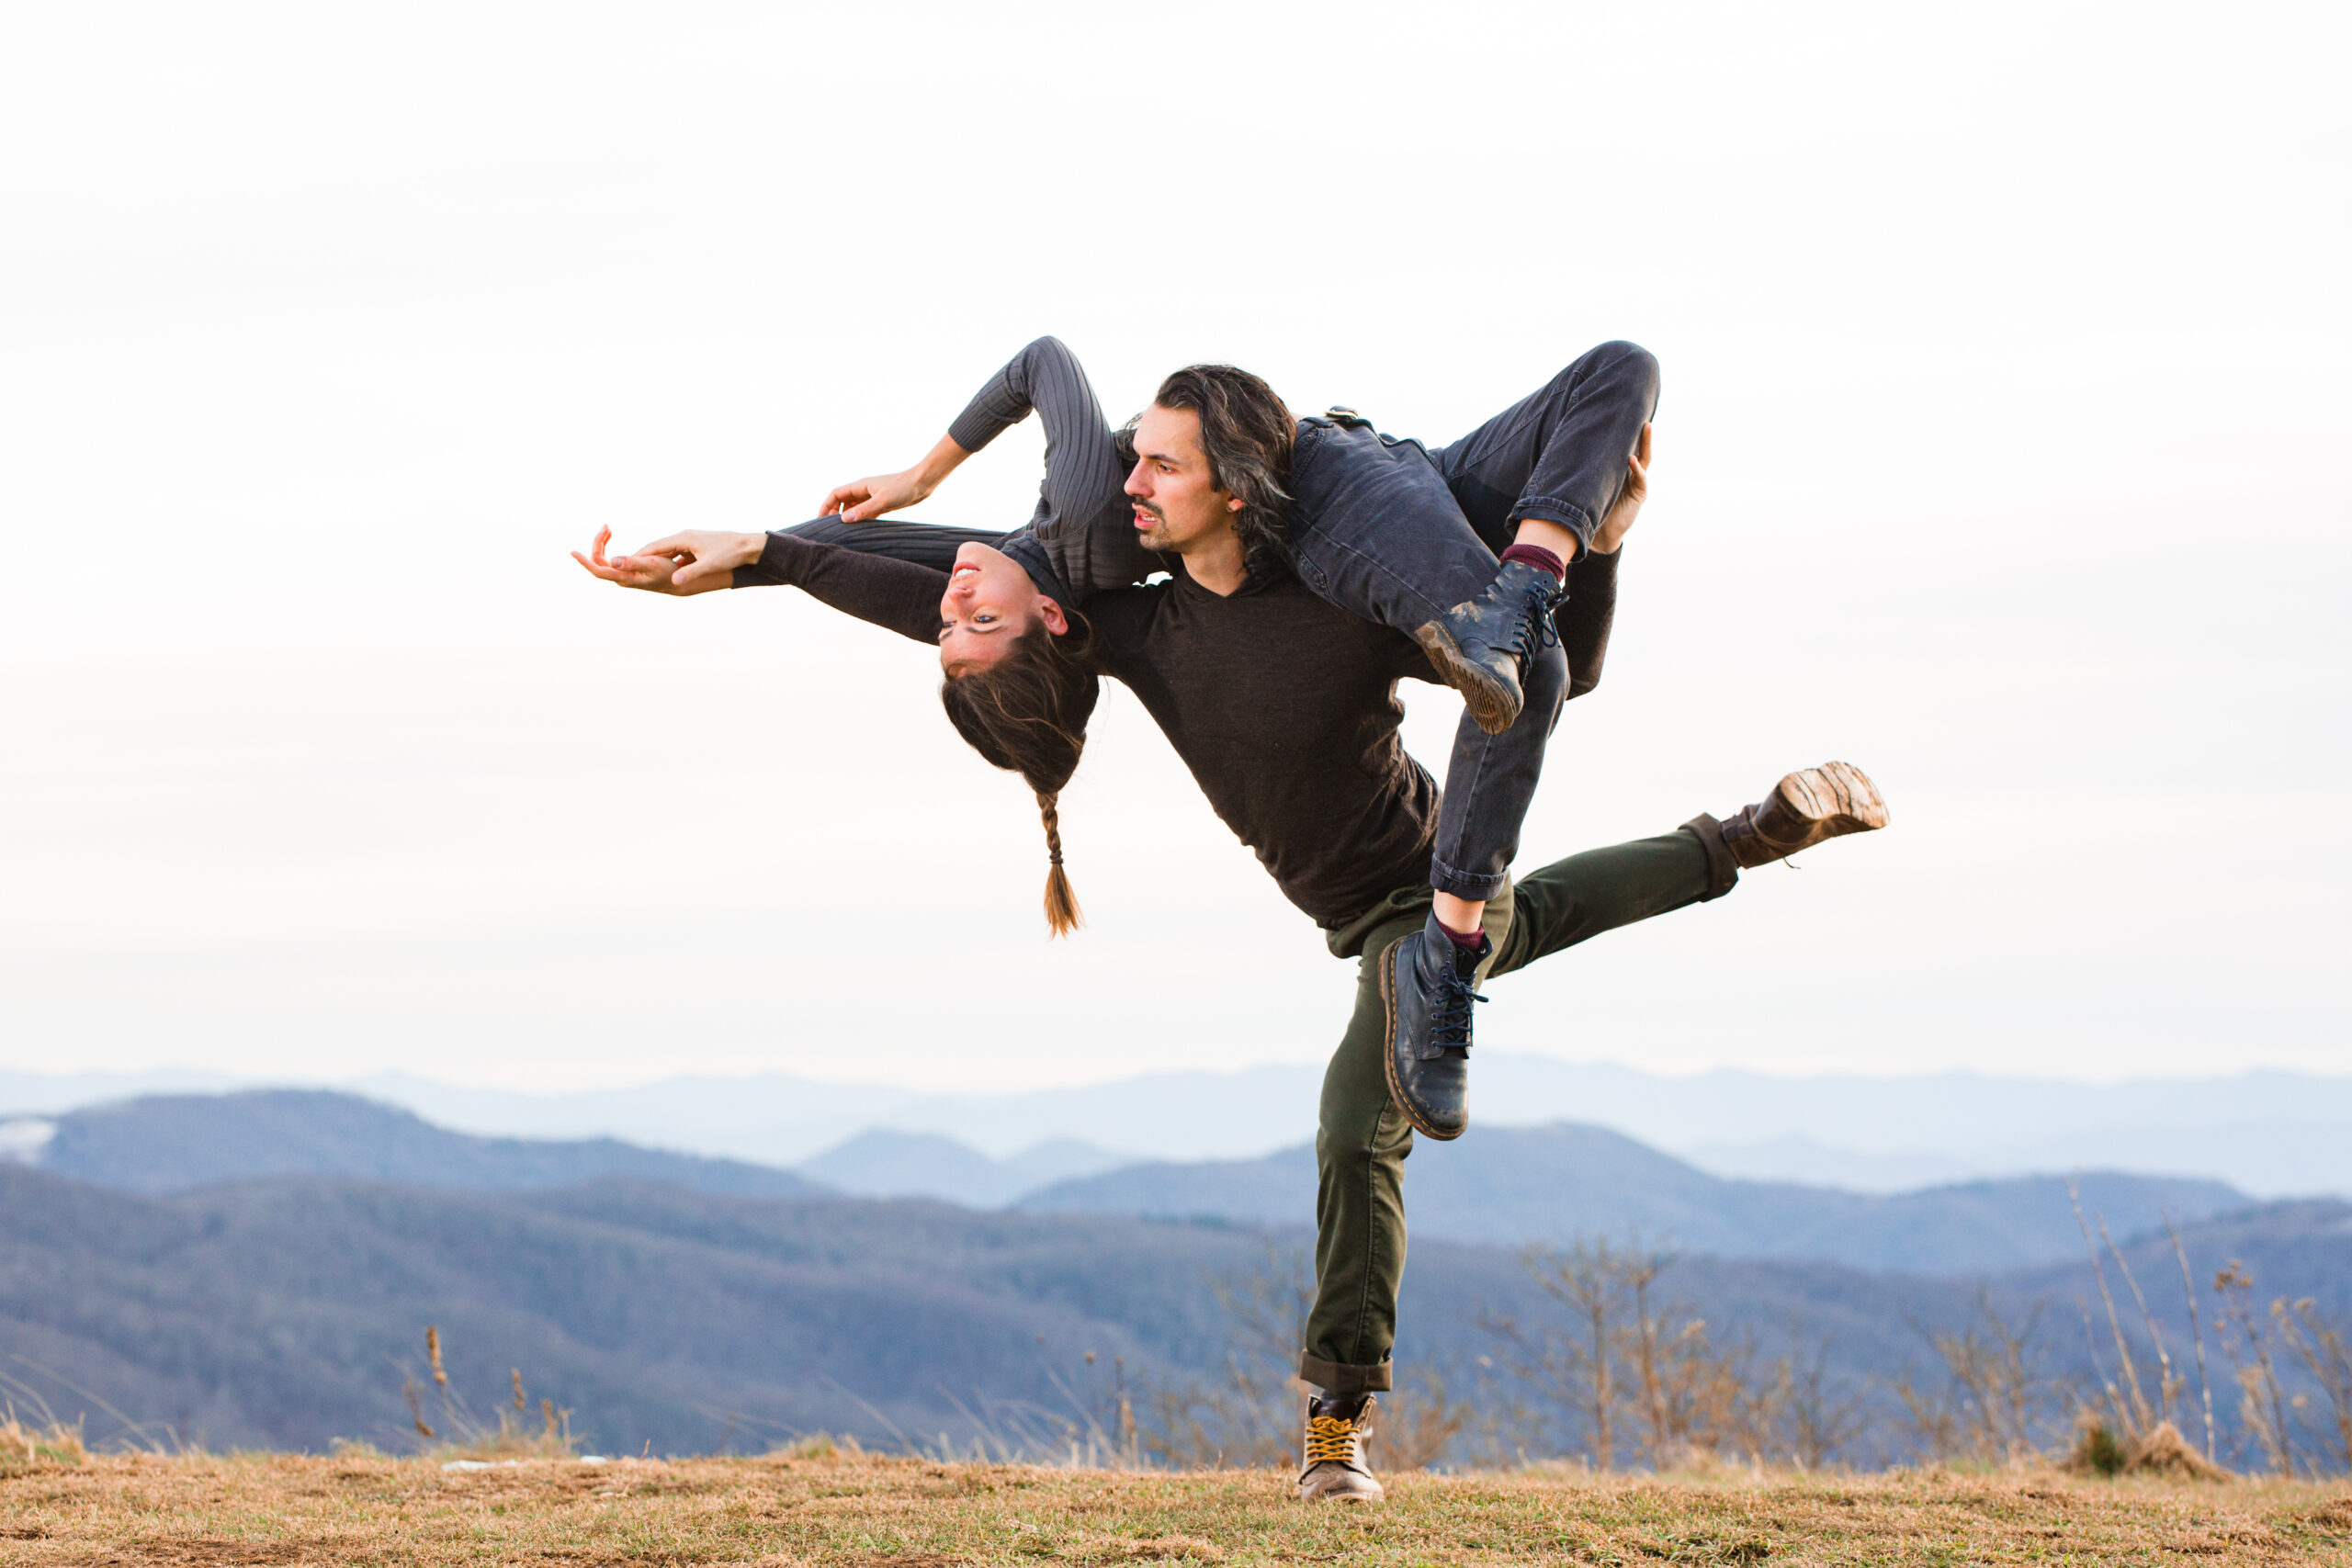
1061, 903
1027, 714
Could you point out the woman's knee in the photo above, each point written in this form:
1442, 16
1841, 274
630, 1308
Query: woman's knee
1626, 367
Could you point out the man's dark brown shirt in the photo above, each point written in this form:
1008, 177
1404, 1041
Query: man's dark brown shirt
1284, 707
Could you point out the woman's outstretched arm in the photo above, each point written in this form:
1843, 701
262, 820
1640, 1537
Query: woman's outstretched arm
897, 595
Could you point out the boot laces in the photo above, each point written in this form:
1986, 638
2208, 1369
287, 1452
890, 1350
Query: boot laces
1332, 1439
1537, 629
1450, 1020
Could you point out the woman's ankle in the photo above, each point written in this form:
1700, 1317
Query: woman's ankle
1547, 535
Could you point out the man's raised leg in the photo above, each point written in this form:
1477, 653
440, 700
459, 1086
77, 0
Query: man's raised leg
1574, 899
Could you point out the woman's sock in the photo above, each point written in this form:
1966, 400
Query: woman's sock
1537, 556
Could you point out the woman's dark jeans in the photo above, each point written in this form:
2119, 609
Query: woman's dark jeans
1365, 535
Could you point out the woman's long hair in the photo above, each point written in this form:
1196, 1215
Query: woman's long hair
1027, 714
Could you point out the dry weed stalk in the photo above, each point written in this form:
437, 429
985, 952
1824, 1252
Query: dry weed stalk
2159, 1449
1096, 1428
2324, 1347
1629, 1365
1639, 1271
1249, 1413
1992, 1407
2167, 1384
2196, 1332
460, 1435
2145, 1438
60, 1437
1931, 1416
2139, 1418
1816, 1424
1586, 1280
1718, 1399
2262, 1403
1418, 1423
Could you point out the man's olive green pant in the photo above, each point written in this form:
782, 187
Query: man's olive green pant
1360, 1146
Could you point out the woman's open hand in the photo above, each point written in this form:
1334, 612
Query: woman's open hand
1614, 527
683, 564
862, 500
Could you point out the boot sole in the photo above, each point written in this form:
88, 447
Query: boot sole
1493, 708
1839, 795
1361, 1500
1388, 1055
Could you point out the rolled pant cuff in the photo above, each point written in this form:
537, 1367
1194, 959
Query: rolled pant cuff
1476, 886
1552, 509
1723, 870
1341, 1379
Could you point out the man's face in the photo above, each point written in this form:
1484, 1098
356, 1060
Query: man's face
1178, 504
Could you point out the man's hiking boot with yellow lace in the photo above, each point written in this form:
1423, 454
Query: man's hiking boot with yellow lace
1807, 806
1481, 646
1334, 1466
1429, 981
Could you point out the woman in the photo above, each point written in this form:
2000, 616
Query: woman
1374, 526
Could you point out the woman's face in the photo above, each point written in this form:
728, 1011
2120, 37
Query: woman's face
988, 603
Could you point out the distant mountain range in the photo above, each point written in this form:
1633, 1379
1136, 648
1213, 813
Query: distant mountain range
2270, 1133
286, 1311
169, 1143
885, 1163
1511, 1185
257, 1270
1501, 1185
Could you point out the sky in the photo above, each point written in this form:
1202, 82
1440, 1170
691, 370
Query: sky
2001, 452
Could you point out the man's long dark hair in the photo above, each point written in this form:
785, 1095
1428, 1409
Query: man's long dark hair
1027, 714
1246, 434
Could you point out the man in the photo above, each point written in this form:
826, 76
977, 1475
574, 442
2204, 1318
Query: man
1301, 757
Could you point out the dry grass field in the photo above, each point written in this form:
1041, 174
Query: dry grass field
861, 1510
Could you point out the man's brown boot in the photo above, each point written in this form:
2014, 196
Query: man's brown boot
1804, 808
1334, 1466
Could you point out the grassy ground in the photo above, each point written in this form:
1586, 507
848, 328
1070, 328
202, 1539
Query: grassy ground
865, 1510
